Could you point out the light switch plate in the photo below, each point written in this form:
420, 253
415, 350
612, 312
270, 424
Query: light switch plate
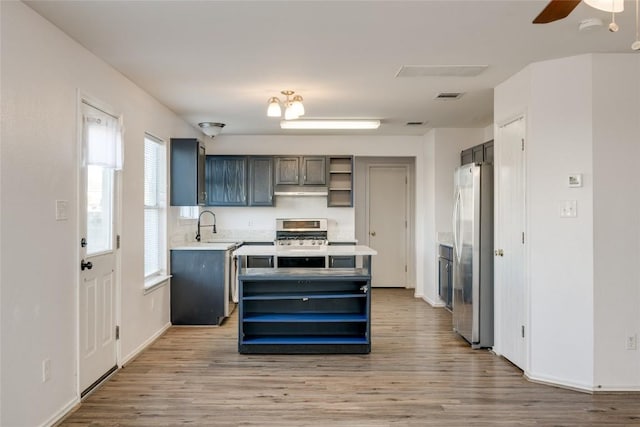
568, 209
62, 210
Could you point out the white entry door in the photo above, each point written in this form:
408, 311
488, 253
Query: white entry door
510, 242
387, 213
97, 302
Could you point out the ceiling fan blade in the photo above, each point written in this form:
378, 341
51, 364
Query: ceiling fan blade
555, 10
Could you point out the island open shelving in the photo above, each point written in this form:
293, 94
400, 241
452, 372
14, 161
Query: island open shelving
305, 310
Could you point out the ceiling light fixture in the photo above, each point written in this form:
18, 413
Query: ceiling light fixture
293, 107
636, 44
330, 124
211, 129
613, 6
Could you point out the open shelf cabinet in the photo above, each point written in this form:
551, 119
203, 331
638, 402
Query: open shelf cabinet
289, 312
340, 180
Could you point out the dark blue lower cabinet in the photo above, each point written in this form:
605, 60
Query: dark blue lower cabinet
197, 287
293, 313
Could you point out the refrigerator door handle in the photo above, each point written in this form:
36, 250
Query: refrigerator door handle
456, 225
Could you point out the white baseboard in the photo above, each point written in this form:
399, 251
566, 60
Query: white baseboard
75, 402
128, 358
62, 413
431, 302
585, 388
558, 382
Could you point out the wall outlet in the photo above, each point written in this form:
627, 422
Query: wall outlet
46, 370
632, 342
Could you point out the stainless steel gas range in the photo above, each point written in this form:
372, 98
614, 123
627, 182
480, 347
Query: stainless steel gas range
307, 233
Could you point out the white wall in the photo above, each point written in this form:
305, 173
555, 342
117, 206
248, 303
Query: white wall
561, 249
443, 147
616, 219
42, 71
582, 117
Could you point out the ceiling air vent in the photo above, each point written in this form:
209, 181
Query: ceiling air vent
414, 123
449, 95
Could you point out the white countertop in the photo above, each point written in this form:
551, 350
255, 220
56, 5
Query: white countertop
329, 250
207, 246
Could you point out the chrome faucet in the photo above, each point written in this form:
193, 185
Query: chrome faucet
213, 226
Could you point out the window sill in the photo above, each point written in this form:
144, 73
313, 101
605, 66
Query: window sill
154, 282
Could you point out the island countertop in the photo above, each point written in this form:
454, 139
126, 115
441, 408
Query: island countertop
289, 251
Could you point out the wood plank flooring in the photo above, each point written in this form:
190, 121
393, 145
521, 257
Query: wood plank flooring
419, 373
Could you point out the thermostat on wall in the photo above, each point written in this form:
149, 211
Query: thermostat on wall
575, 180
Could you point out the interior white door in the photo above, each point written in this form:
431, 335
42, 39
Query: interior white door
387, 213
97, 284
509, 263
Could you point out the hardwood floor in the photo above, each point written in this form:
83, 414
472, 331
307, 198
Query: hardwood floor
419, 373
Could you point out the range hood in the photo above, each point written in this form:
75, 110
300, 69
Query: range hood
300, 190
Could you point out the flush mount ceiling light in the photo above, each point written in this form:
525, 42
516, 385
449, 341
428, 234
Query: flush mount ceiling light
330, 124
293, 107
211, 129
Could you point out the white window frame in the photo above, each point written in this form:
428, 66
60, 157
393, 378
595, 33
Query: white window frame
159, 275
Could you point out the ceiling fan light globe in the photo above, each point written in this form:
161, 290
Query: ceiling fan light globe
613, 6
273, 110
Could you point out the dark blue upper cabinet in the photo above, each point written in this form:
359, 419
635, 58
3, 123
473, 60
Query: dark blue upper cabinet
261, 181
314, 170
226, 180
296, 170
287, 170
187, 172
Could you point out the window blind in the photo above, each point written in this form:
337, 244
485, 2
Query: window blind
154, 206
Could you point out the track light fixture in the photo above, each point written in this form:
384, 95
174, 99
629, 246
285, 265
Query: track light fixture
293, 107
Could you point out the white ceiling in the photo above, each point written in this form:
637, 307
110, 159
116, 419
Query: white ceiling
221, 60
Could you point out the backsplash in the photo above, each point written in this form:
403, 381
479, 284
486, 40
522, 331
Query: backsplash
257, 224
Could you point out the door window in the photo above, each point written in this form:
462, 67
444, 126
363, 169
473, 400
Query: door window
99, 209
102, 156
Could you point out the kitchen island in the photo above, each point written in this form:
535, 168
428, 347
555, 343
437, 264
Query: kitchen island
305, 310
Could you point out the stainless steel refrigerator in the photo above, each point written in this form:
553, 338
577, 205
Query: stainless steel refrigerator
473, 254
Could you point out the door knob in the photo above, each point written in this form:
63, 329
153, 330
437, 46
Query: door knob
373, 233
88, 265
